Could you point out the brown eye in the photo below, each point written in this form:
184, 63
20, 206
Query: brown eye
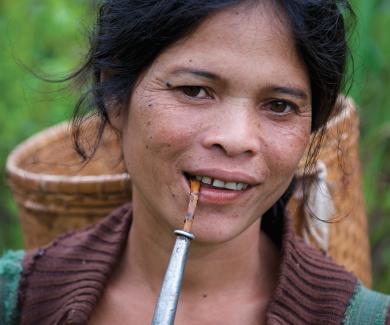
195, 92
281, 107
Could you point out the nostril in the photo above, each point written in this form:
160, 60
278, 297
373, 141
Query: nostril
232, 144
218, 147
232, 150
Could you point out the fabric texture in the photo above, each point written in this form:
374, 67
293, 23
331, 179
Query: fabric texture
367, 307
10, 270
62, 282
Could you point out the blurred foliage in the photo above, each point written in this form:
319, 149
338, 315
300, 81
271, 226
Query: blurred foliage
371, 90
50, 36
45, 36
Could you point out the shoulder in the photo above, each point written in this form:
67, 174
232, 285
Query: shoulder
64, 279
312, 289
363, 305
10, 271
367, 306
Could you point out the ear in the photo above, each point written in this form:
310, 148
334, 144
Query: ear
115, 111
116, 116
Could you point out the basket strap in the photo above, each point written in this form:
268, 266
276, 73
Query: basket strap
367, 307
315, 230
10, 270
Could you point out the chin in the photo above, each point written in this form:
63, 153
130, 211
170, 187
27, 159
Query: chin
216, 229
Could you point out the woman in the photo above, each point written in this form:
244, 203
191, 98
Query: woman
228, 92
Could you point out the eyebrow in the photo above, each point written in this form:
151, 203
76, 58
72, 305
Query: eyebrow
292, 91
199, 73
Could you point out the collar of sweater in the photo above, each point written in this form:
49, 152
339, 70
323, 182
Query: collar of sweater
62, 282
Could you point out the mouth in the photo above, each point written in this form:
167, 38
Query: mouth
220, 184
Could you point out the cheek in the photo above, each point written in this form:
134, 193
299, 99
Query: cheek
161, 130
168, 134
286, 147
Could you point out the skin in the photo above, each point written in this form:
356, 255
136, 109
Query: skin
254, 118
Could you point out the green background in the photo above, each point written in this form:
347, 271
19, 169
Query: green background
51, 36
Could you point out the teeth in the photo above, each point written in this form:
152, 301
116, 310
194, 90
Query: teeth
206, 180
221, 184
218, 183
231, 186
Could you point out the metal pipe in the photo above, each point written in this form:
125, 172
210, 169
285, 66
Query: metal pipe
165, 311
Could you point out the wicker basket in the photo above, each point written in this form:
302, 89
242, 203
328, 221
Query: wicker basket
56, 193
348, 234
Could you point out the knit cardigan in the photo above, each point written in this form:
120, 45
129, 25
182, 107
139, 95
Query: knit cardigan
62, 282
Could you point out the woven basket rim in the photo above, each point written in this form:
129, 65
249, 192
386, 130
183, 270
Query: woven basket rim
40, 179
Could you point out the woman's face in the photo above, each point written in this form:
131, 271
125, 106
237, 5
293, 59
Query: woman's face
230, 104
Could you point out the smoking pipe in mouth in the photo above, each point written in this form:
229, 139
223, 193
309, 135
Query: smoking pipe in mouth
165, 311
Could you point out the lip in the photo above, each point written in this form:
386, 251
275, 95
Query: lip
218, 196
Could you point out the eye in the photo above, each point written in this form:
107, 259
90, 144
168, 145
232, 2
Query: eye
281, 107
195, 92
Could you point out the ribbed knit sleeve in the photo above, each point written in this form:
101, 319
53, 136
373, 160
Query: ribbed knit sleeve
62, 282
312, 289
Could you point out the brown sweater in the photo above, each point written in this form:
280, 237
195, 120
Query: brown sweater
62, 282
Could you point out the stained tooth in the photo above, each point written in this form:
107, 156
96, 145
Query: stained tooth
199, 178
218, 183
240, 186
244, 186
206, 180
231, 186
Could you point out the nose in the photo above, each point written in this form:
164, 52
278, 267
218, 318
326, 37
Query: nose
234, 131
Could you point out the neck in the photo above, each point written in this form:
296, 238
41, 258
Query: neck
211, 268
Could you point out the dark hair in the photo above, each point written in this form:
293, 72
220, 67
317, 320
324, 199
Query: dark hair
130, 34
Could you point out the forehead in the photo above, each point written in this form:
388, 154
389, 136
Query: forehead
241, 42
249, 25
